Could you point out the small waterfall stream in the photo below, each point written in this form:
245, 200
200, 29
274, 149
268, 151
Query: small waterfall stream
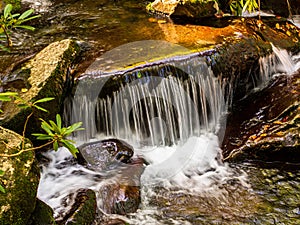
171, 114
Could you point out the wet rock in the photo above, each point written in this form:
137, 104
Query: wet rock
105, 153
43, 214
20, 180
43, 76
237, 60
83, 210
183, 8
282, 8
123, 196
265, 125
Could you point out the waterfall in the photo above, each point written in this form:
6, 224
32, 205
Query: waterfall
280, 61
159, 105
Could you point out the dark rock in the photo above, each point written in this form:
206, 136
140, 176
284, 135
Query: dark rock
46, 73
102, 154
265, 125
42, 215
183, 8
123, 197
83, 211
20, 180
282, 7
237, 61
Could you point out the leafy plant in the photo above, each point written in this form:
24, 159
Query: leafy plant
9, 21
55, 133
237, 7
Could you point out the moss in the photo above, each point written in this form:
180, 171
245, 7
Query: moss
20, 180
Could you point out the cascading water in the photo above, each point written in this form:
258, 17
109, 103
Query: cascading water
171, 114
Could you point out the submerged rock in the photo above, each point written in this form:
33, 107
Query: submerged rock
183, 8
20, 180
105, 153
123, 197
265, 125
43, 76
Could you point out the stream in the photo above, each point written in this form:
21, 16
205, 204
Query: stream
175, 123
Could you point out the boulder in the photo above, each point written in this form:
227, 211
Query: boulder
122, 195
281, 8
42, 214
105, 153
265, 125
42, 76
83, 210
183, 8
20, 180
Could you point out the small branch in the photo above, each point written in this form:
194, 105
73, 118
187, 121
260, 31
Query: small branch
27, 150
9, 42
24, 129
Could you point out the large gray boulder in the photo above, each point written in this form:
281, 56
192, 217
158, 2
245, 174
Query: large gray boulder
20, 180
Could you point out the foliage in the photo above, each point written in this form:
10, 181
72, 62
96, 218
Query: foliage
237, 7
9, 21
55, 133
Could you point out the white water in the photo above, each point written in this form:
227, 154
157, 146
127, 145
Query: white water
190, 161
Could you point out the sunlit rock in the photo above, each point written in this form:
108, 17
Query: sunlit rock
185, 8
43, 76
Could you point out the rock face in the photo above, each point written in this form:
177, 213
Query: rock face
83, 211
282, 8
20, 180
43, 76
183, 8
265, 125
102, 154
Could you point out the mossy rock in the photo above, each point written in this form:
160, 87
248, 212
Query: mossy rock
20, 180
47, 74
42, 214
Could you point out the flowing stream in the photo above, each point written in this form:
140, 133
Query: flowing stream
173, 115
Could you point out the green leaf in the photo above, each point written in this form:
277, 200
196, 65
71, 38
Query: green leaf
1, 172
46, 127
55, 145
73, 127
2, 189
70, 147
25, 27
40, 108
43, 100
26, 14
43, 136
7, 10
58, 121
55, 127
27, 19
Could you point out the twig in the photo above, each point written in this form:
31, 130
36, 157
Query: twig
27, 150
24, 129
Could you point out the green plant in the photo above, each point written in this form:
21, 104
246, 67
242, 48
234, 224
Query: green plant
9, 21
237, 7
56, 135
